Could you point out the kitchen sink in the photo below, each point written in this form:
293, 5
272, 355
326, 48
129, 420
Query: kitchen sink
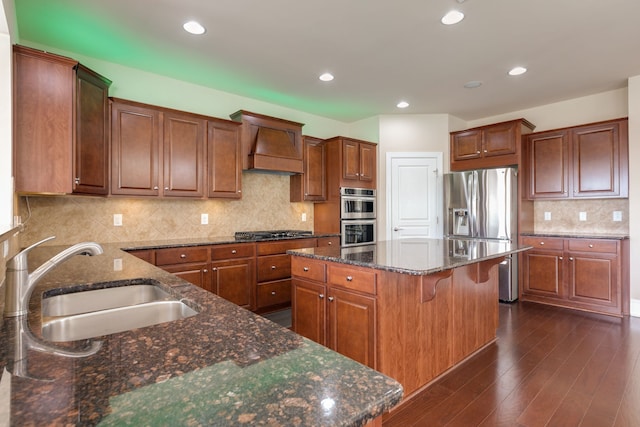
93, 313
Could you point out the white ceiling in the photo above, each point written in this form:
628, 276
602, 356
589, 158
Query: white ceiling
380, 51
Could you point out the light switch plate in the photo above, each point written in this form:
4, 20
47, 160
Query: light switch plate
204, 219
583, 216
117, 220
617, 215
547, 216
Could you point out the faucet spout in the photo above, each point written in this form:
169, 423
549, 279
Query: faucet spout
20, 284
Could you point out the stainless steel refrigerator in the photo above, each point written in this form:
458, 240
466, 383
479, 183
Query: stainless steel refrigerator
483, 204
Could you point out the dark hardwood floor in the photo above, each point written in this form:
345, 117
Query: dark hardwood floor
549, 367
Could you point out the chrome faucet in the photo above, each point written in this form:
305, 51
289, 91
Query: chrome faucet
19, 284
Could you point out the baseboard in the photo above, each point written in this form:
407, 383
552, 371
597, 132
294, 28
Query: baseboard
634, 309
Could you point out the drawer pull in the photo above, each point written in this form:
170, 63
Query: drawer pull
305, 268
560, 258
349, 278
183, 256
273, 267
330, 299
330, 243
273, 292
541, 243
234, 251
321, 296
590, 246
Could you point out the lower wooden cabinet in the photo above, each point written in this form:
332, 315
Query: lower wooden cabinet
233, 280
197, 274
587, 274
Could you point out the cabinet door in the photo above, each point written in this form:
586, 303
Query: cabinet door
543, 273
197, 274
350, 160
135, 161
234, 281
351, 325
91, 149
593, 279
308, 310
367, 165
548, 155
466, 145
225, 163
500, 140
600, 160
183, 142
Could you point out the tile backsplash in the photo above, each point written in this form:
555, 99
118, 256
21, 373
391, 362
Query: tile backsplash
264, 205
565, 216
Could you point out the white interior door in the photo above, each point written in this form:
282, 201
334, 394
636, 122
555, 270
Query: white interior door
415, 195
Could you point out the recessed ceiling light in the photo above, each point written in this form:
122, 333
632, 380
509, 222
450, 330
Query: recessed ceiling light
326, 77
402, 104
473, 84
516, 71
193, 27
452, 17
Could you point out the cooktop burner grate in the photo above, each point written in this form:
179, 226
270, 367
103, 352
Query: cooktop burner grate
270, 234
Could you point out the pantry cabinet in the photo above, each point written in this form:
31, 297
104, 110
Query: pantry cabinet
488, 146
587, 274
60, 125
311, 185
590, 161
156, 152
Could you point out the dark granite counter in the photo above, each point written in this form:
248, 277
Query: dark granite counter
224, 366
414, 256
575, 235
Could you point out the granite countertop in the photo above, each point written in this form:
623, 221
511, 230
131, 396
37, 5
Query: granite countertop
576, 235
414, 256
224, 366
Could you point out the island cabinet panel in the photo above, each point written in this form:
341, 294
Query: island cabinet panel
309, 310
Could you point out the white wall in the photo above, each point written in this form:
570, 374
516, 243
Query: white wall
634, 191
413, 133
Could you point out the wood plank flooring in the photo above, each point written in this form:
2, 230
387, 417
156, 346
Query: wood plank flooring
549, 367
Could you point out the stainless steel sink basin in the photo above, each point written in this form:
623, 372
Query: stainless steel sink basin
93, 313
102, 299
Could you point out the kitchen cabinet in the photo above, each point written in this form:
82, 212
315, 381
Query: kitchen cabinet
329, 241
582, 273
188, 263
156, 152
273, 272
488, 146
233, 273
148, 255
350, 163
224, 159
589, 161
311, 185
60, 125
326, 309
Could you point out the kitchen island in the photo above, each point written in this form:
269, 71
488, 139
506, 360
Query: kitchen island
409, 308
223, 366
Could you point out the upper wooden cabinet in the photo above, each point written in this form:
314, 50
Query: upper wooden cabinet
350, 163
156, 151
224, 158
60, 125
488, 146
311, 185
590, 161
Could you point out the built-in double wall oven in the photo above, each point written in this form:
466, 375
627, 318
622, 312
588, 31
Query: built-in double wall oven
357, 216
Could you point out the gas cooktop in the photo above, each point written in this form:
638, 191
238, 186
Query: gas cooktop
270, 234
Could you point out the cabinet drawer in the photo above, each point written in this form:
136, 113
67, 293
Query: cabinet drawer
182, 255
593, 245
309, 269
351, 278
274, 267
282, 246
244, 250
329, 241
274, 293
544, 242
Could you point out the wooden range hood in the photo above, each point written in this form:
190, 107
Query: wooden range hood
270, 144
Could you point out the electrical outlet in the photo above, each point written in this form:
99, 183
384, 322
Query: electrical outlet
204, 219
617, 215
304, 217
583, 216
117, 220
547, 216
117, 264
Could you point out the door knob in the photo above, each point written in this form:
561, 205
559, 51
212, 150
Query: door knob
397, 228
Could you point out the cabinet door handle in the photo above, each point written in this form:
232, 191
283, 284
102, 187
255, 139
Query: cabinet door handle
183, 256
570, 258
234, 251
590, 246
330, 243
560, 258
321, 296
205, 271
214, 269
478, 152
485, 151
305, 268
155, 187
541, 243
166, 188
349, 278
273, 267
330, 299
77, 180
273, 292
